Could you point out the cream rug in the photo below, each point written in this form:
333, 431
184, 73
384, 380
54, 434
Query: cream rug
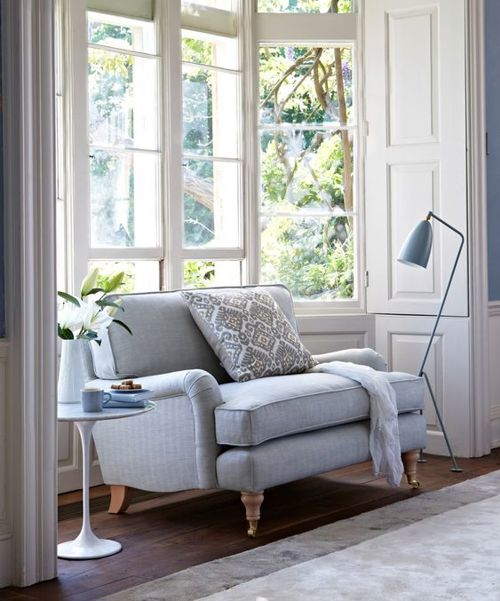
453, 556
438, 545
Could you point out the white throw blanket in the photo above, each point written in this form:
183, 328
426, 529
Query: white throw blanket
385, 446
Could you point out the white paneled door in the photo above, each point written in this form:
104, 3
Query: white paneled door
415, 149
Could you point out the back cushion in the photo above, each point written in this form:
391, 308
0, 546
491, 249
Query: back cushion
165, 337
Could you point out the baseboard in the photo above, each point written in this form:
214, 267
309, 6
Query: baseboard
495, 426
494, 347
6, 553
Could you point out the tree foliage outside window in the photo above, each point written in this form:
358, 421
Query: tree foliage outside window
306, 154
306, 170
123, 183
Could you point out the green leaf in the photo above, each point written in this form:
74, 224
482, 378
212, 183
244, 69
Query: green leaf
69, 298
64, 333
123, 325
89, 283
108, 303
89, 335
95, 291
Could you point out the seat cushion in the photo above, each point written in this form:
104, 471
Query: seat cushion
267, 408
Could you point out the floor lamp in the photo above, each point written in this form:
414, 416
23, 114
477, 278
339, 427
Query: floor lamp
415, 252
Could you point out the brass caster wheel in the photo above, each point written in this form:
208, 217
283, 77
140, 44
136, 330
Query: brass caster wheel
252, 528
415, 484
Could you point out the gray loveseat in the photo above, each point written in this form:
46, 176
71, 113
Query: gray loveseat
210, 432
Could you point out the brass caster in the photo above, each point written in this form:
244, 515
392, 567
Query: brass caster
414, 484
252, 528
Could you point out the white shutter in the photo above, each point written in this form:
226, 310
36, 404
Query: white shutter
415, 149
137, 9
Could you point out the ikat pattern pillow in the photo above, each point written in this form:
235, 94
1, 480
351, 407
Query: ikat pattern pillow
249, 333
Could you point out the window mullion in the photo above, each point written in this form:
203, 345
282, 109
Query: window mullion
169, 21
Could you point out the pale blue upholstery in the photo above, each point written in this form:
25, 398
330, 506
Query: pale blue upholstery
208, 431
294, 457
259, 410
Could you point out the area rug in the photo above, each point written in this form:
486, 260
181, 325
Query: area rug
438, 545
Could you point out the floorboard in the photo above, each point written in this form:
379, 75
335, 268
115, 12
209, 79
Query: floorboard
162, 534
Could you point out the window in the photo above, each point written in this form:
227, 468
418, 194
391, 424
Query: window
124, 148
212, 162
306, 133
161, 182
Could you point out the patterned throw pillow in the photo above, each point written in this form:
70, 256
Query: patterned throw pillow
249, 333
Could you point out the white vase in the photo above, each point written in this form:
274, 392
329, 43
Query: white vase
72, 373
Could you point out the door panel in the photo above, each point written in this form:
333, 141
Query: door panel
415, 150
403, 340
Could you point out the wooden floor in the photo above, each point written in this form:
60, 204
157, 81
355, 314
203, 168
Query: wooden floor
162, 535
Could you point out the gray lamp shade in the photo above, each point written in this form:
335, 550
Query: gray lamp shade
417, 247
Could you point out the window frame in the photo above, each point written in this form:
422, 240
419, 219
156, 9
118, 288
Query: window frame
308, 29
179, 253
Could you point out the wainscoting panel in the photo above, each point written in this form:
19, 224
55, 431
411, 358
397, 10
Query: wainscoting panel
323, 334
5, 521
403, 340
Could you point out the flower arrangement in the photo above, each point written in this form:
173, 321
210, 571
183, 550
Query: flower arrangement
87, 317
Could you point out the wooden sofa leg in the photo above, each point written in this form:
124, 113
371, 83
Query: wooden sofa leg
410, 459
252, 502
120, 498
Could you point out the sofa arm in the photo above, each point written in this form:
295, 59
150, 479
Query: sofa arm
170, 448
361, 356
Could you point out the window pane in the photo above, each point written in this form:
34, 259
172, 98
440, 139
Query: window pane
121, 32
211, 208
305, 85
306, 170
304, 6
205, 49
140, 276
123, 193
314, 257
210, 112
122, 100
205, 274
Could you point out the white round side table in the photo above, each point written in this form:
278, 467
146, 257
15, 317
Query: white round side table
87, 545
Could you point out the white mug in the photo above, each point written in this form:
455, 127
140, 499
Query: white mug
93, 399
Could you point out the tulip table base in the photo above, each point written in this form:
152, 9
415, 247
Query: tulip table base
87, 545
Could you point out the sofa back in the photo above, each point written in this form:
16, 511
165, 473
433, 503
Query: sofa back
165, 337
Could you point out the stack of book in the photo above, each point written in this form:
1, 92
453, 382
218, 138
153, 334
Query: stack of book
130, 400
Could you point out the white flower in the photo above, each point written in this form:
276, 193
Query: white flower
70, 317
101, 321
88, 316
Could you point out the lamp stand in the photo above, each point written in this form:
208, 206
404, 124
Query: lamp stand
421, 372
